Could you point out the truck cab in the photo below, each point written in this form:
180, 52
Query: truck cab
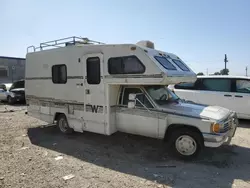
155, 111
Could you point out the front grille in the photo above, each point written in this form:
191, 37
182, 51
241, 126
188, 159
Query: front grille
226, 126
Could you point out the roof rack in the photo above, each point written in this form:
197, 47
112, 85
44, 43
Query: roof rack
59, 43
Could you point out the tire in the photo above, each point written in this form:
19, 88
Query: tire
10, 100
186, 143
62, 124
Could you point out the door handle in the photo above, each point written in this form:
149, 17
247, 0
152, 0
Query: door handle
228, 95
239, 96
79, 84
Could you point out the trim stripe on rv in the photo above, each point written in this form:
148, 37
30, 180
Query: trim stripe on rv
106, 76
57, 103
50, 78
38, 78
64, 104
134, 76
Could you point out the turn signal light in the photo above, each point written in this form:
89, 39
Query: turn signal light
215, 127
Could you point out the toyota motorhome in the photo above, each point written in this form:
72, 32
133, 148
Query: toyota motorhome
84, 85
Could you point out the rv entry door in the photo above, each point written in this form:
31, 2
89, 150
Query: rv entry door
94, 96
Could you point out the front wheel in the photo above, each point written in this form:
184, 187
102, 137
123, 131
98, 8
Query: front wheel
186, 143
10, 100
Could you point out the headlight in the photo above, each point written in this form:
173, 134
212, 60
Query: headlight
216, 127
12, 94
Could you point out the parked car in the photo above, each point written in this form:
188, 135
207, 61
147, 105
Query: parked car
232, 92
16, 92
4, 88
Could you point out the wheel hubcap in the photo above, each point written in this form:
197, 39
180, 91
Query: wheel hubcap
63, 125
186, 145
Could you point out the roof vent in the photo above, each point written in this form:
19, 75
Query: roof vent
146, 43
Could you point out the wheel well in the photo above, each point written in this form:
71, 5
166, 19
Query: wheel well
173, 127
57, 114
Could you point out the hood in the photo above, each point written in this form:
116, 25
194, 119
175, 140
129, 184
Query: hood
197, 110
18, 89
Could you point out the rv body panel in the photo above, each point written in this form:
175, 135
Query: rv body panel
88, 107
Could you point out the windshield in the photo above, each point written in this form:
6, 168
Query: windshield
3, 87
180, 65
161, 94
17, 85
165, 63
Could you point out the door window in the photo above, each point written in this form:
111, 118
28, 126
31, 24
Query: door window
243, 86
217, 84
142, 97
93, 70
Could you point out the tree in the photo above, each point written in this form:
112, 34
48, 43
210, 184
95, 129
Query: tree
200, 74
224, 71
216, 73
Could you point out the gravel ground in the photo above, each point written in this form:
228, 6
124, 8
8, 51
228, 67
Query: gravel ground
28, 148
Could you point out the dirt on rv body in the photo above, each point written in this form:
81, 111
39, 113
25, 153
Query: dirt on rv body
34, 154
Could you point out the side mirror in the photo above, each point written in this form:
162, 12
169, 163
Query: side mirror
132, 96
132, 100
131, 104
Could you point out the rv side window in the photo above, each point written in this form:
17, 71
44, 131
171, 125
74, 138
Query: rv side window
59, 74
125, 65
93, 70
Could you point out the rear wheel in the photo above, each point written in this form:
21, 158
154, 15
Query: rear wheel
186, 143
62, 124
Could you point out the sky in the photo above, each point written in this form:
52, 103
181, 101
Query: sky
200, 32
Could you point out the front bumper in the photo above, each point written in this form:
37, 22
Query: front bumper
18, 98
216, 140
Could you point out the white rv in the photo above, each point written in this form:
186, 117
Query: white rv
83, 85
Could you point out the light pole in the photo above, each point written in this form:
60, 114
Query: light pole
225, 60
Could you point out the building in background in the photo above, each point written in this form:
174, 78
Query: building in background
11, 69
